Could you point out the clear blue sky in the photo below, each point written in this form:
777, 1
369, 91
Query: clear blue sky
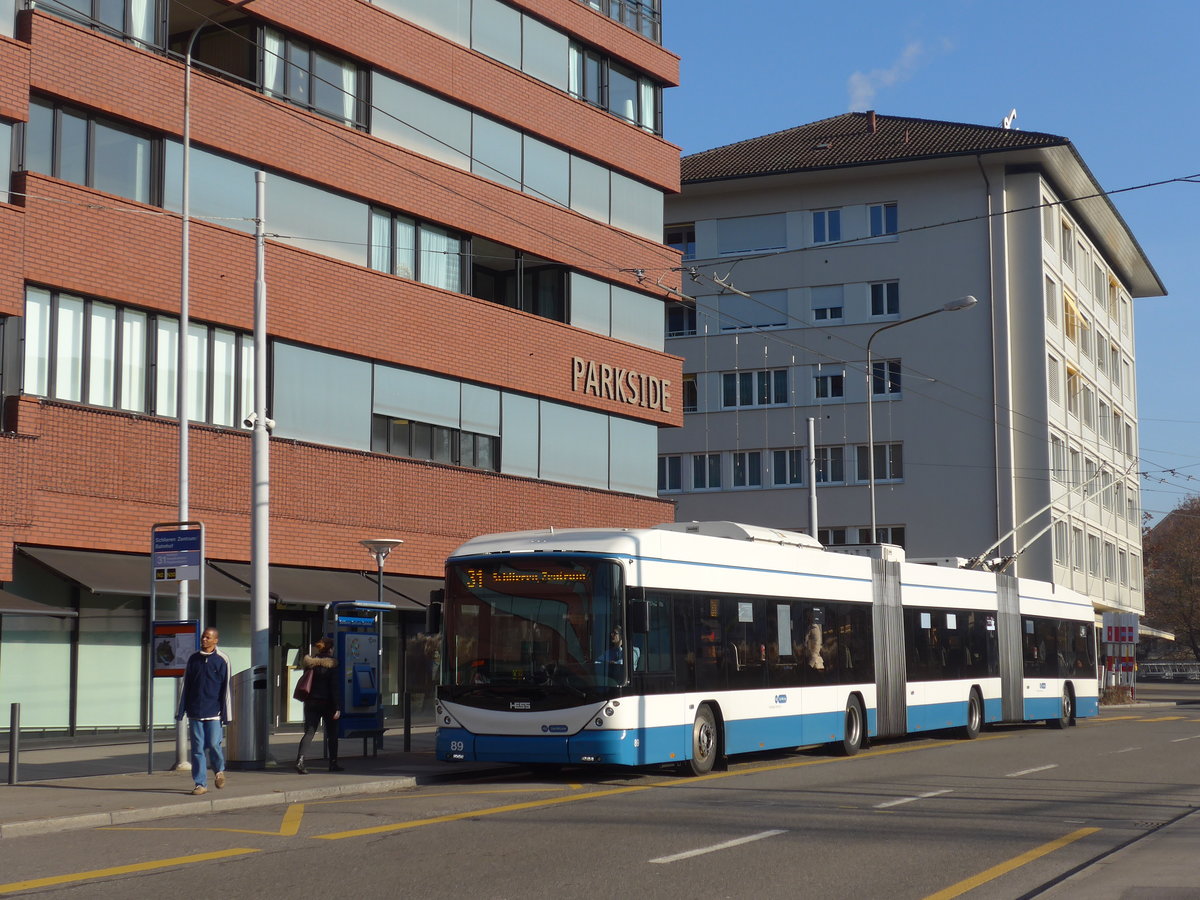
1120, 80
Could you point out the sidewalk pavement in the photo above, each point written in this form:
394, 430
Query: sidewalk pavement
89, 785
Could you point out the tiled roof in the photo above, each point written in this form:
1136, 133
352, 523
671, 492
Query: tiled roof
848, 140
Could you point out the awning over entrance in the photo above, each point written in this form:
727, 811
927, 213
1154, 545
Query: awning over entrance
123, 573
12, 605
316, 587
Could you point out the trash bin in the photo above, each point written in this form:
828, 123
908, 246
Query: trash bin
245, 746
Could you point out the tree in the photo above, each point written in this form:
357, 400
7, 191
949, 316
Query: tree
1171, 551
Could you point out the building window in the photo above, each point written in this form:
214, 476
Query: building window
827, 226
889, 462
513, 278
747, 468
600, 81
670, 473
1110, 561
1051, 297
1090, 475
438, 443
1067, 245
681, 319
788, 467
1105, 420
311, 78
1070, 316
419, 251
1048, 220
1093, 556
885, 298
1085, 336
828, 387
134, 19
1076, 467
885, 377
682, 238
1122, 567
884, 534
1077, 549
690, 398
77, 146
1058, 459
706, 471
1054, 378
827, 302
1087, 401
831, 465
1062, 544
1073, 386
89, 351
831, 537
883, 219
763, 388
642, 16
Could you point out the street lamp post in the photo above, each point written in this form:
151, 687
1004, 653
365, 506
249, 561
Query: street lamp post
954, 305
379, 548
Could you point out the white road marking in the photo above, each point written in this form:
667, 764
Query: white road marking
688, 854
1180, 740
1127, 750
911, 799
1031, 771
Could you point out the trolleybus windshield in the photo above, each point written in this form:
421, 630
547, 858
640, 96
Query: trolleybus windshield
540, 625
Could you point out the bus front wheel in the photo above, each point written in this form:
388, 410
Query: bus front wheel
704, 742
1066, 713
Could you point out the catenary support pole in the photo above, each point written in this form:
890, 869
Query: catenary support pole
260, 559
14, 742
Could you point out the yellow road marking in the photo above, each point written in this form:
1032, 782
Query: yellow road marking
1164, 719
1107, 719
968, 884
150, 866
627, 789
288, 827
374, 797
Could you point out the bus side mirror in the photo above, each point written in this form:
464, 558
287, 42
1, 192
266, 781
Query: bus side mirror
433, 612
638, 617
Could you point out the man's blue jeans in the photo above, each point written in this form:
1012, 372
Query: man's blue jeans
205, 734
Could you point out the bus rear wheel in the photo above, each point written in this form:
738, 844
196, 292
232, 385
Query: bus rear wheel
1066, 712
853, 737
970, 731
704, 742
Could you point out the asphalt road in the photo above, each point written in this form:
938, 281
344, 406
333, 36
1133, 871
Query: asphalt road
1006, 815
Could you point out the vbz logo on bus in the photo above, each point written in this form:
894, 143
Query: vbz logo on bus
780, 698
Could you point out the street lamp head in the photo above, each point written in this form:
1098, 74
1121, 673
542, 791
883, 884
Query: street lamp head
380, 547
961, 303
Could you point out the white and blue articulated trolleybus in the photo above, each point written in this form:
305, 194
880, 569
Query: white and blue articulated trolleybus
690, 642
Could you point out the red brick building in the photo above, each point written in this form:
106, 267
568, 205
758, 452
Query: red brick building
463, 268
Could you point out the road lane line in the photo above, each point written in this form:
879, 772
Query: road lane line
969, 884
1031, 771
150, 866
289, 826
1164, 719
1181, 740
1126, 750
688, 854
904, 800
1108, 719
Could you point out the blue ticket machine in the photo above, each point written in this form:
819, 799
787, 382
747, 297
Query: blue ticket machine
357, 630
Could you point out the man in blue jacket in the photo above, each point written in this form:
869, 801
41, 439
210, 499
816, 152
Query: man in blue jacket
206, 702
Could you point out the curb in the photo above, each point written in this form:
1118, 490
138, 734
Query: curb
222, 804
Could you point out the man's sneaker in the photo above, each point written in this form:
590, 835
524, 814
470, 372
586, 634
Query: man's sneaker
220, 780
199, 789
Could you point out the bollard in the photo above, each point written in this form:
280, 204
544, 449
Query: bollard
14, 741
407, 721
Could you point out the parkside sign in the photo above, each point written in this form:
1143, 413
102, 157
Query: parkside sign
621, 385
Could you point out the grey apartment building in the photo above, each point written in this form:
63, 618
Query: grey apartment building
1005, 428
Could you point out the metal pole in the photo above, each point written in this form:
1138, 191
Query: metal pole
261, 484
14, 741
812, 476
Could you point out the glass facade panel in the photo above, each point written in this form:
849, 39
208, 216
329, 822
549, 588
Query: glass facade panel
133, 360
637, 207
404, 394
224, 378
8, 15
68, 354
547, 171
334, 86
591, 304
41, 645
637, 318
72, 147
632, 449
441, 258
39, 138
246, 397
197, 366
519, 418
36, 378
622, 93
496, 31
322, 397
481, 410
166, 357
120, 162
412, 118
339, 231
102, 354
220, 187
451, 18
496, 152
544, 53
111, 634
590, 189
574, 445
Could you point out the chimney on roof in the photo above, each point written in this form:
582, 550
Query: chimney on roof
871, 123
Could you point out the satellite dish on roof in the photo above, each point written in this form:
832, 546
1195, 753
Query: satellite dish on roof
1007, 122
